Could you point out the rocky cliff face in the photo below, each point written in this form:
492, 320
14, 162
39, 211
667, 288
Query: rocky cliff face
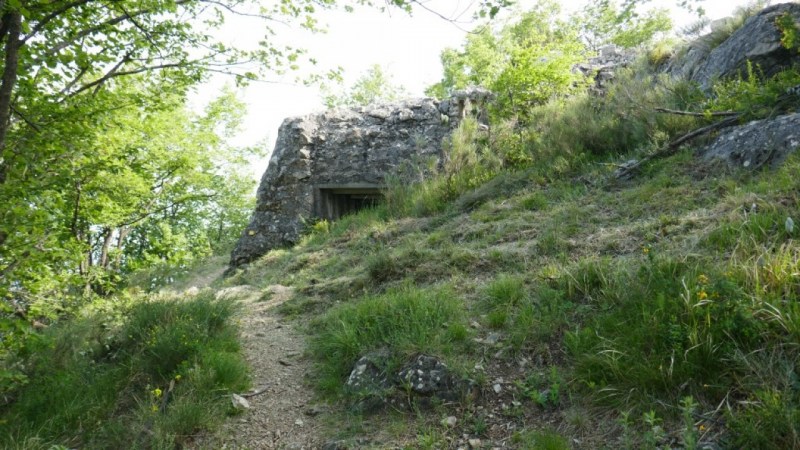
327, 163
757, 41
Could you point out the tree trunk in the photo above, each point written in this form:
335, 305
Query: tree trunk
10, 30
13, 22
124, 231
108, 235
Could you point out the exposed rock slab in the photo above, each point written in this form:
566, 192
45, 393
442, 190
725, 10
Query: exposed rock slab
757, 41
761, 143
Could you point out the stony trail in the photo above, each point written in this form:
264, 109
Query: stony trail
282, 414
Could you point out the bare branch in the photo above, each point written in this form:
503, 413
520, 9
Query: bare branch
243, 14
698, 114
449, 20
670, 148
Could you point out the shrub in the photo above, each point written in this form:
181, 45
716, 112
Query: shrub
670, 326
101, 383
620, 122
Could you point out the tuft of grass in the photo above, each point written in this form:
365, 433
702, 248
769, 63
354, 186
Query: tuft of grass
101, 384
540, 440
404, 320
528, 317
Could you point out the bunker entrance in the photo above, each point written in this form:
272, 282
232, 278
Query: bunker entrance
335, 201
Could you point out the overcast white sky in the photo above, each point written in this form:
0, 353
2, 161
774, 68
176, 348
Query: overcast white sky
407, 46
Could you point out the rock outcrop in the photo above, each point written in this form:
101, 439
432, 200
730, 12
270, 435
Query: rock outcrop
603, 68
330, 163
757, 41
761, 143
373, 385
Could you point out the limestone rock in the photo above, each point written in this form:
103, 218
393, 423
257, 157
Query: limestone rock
239, 402
604, 66
424, 377
428, 376
757, 41
369, 373
757, 144
329, 163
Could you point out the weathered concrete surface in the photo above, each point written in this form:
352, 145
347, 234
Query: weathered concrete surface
344, 148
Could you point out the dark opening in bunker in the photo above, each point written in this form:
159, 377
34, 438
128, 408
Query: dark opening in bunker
334, 201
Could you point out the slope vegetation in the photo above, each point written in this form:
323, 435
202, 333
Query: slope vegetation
587, 312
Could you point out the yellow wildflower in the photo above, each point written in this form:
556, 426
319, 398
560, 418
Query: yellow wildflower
702, 295
702, 279
157, 392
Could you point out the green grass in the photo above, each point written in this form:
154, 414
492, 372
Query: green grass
540, 440
626, 298
100, 381
404, 321
655, 291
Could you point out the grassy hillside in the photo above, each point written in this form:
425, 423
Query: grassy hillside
616, 314
585, 311
132, 371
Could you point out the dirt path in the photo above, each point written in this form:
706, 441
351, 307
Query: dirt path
284, 415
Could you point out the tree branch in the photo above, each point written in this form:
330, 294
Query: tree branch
114, 73
670, 148
180, 201
25, 119
697, 114
46, 19
243, 14
111, 72
100, 26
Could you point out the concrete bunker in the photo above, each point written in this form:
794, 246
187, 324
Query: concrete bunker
329, 164
332, 201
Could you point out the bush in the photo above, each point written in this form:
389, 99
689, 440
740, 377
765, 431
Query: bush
101, 383
622, 121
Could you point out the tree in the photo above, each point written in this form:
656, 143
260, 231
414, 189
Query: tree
530, 60
525, 62
371, 87
102, 169
605, 22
